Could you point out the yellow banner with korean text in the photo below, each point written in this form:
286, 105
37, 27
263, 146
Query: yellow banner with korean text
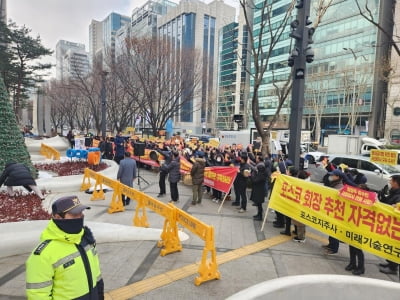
374, 228
386, 157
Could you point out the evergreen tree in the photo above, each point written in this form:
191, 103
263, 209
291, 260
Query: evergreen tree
20, 62
12, 142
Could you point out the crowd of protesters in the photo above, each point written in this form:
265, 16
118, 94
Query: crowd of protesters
254, 171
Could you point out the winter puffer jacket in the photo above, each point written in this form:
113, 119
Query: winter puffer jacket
16, 174
197, 171
173, 169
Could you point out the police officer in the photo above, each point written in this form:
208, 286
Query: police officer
65, 265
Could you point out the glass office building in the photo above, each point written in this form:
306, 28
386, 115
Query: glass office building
277, 71
111, 24
193, 26
344, 86
232, 77
344, 91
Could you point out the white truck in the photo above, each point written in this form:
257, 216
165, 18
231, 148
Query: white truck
243, 137
229, 137
352, 144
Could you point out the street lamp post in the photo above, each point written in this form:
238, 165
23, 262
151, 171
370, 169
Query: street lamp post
353, 102
103, 104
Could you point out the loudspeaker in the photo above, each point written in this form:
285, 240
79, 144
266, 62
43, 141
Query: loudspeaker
238, 118
88, 142
139, 149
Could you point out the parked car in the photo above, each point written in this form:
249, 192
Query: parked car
378, 175
204, 138
314, 156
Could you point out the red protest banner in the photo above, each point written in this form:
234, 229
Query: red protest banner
220, 178
358, 195
146, 161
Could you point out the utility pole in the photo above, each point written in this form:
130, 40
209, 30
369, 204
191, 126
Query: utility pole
301, 54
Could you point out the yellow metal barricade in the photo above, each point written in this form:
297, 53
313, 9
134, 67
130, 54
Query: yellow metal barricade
169, 237
208, 268
86, 179
49, 152
116, 204
140, 217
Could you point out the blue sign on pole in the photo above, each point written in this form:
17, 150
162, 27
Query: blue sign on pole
169, 128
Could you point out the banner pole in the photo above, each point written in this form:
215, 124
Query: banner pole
222, 203
265, 217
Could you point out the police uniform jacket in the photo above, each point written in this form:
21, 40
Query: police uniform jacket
64, 266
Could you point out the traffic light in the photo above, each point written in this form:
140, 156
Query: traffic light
299, 4
310, 32
303, 34
296, 30
309, 53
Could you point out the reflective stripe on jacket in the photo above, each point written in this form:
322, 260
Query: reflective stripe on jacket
56, 268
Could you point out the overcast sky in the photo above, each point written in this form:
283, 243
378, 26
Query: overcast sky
67, 20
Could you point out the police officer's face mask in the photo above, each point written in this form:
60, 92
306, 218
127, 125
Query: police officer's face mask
71, 226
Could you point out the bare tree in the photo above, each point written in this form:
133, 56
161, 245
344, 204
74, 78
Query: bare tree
261, 55
261, 52
387, 31
121, 105
317, 91
67, 99
163, 79
89, 87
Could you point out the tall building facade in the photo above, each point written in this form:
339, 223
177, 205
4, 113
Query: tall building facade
102, 38
71, 60
121, 36
195, 25
233, 76
95, 40
143, 23
144, 18
111, 24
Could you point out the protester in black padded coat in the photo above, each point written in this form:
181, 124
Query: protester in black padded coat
17, 174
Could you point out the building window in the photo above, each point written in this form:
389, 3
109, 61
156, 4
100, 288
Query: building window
396, 111
395, 136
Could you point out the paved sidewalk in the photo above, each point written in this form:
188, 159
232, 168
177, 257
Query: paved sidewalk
136, 268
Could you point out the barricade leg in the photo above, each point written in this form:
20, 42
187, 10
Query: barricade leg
116, 202
85, 183
208, 269
169, 237
140, 218
98, 193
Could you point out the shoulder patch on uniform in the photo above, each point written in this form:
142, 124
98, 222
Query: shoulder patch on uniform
40, 248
